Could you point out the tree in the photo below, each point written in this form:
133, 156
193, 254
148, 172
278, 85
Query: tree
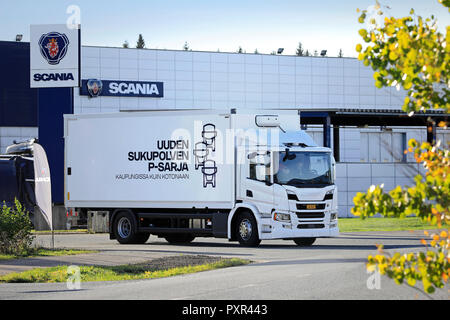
239, 50
185, 46
299, 52
411, 53
15, 230
125, 44
256, 51
316, 54
340, 54
140, 43
307, 54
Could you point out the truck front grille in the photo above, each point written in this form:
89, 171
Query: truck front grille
311, 215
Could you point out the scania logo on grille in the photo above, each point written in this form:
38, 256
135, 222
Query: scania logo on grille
53, 47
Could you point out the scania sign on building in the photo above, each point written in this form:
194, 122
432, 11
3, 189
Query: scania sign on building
120, 88
54, 56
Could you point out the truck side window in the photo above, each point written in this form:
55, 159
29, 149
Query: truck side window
252, 171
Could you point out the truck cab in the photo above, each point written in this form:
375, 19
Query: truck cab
290, 189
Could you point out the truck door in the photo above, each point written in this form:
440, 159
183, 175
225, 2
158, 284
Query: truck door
258, 181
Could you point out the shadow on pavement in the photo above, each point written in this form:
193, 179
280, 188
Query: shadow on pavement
55, 291
262, 247
310, 261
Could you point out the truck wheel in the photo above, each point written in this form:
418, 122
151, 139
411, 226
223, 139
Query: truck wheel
179, 238
124, 226
304, 242
247, 230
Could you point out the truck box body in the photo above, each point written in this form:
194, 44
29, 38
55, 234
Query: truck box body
145, 160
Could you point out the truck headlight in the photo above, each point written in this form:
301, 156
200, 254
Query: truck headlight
282, 217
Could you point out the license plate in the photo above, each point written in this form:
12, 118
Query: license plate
311, 206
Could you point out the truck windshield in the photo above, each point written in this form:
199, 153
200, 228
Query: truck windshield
304, 169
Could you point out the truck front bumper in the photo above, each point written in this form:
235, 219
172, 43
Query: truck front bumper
271, 229
291, 233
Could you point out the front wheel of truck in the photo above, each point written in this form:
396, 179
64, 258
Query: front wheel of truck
124, 229
246, 229
304, 242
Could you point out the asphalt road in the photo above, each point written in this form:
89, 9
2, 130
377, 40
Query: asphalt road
332, 268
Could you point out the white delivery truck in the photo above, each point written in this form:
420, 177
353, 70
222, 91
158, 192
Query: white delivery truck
180, 174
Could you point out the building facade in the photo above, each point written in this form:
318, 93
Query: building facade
215, 80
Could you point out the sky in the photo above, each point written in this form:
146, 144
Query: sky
265, 25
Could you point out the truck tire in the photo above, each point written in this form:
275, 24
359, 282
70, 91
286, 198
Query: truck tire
304, 242
124, 229
179, 238
246, 229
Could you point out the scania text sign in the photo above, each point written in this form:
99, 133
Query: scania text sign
53, 76
54, 56
119, 88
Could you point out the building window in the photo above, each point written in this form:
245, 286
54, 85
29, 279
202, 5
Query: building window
381, 147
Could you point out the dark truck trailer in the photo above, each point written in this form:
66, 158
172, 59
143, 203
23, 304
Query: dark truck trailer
17, 181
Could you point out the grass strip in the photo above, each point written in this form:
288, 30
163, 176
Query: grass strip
44, 252
383, 224
114, 273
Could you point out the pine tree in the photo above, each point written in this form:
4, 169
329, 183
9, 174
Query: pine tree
340, 54
125, 44
186, 46
300, 51
140, 43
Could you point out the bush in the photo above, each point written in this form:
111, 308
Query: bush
15, 230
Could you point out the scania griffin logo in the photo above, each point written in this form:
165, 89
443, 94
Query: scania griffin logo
94, 87
54, 47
